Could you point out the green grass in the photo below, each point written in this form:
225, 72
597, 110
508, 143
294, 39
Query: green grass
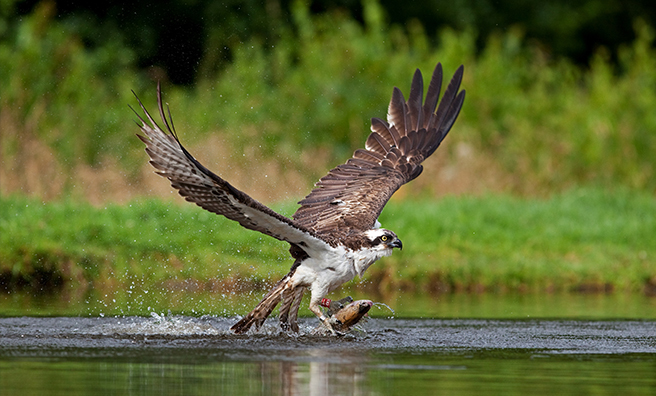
584, 239
579, 239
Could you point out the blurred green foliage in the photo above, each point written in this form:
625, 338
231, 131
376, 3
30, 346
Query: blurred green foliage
550, 123
191, 40
54, 89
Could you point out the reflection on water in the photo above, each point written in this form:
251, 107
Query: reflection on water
176, 355
410, 374
263, 378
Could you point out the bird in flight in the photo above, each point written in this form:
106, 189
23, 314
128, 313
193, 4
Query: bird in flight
335, 234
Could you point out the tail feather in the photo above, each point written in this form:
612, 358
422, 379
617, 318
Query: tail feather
262, 311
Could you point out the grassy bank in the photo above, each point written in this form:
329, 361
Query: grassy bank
584, 239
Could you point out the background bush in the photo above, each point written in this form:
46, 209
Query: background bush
290, 88
546, 121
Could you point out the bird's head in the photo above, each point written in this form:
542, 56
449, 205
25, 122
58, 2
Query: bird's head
378, 243
382, 239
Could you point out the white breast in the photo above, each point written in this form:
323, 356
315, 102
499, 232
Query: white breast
362, 259
328, 271
333, 268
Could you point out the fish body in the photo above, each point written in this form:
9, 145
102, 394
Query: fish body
351, 314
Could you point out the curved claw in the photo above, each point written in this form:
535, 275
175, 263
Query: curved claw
332, 324
336, 326
335, 323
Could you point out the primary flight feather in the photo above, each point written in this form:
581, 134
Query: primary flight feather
335, 234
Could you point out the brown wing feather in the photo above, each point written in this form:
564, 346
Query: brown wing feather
351, 196
199, 185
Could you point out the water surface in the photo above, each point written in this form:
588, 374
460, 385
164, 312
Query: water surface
170, 355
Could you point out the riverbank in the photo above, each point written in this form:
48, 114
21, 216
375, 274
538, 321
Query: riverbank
586, 240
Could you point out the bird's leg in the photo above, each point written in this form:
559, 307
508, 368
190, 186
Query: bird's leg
315, 308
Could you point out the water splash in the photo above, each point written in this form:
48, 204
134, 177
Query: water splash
165, 325
386, 306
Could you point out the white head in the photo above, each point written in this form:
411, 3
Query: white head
382, 239
379, 243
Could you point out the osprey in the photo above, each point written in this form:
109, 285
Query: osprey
335, 234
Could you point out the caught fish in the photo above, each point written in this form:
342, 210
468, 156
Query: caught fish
351, 314
346, 313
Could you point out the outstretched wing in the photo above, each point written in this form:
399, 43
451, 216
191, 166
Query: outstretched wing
351, 196
199, 185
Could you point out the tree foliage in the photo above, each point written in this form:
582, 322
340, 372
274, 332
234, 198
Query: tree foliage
546, 121
192, 39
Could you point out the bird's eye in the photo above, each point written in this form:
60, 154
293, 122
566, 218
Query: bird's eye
383, 238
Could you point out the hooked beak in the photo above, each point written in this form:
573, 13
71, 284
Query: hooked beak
396, 244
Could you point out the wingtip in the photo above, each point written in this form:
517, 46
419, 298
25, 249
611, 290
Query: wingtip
159, 90
459, 73
396, 111
143, 138
417, 74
